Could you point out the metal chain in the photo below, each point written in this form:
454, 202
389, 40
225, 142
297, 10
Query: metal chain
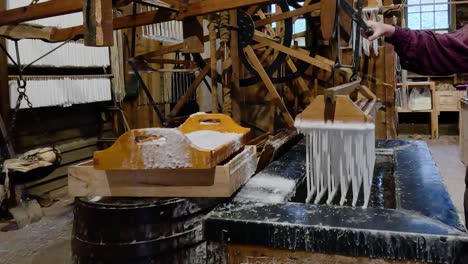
21, 89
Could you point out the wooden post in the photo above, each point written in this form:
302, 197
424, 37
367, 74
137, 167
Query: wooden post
4, 89
235, 69
225, 36
389, 54
213, 64
98, 22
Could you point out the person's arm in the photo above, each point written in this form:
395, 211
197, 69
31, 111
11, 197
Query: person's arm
425, 52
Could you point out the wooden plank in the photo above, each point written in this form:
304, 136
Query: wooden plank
257, 254
294, 53
282, 16
327, 18
26, 32
98, 23
269, 85
42, 189
276, 145
39, 10
222, 181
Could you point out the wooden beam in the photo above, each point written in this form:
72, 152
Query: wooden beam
178, 4
39, 10
187, 63
164, 50
98, 23
23, 31
294, 53
212, 6
344, 89
283, 16
52, 34
268, 26
141, 19
269, 85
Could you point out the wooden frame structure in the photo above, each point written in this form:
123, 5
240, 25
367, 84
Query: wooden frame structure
99, 23
98, 20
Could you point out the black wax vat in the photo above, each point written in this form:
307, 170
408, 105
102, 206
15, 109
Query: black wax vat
410, 216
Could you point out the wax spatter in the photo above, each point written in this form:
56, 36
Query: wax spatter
211, 140
267, 188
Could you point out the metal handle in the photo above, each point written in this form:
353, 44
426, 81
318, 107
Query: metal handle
369, 31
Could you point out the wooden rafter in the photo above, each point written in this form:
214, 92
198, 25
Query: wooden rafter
52, 34
60, 7
39, 10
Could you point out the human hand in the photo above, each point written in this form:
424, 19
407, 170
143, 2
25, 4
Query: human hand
380, 30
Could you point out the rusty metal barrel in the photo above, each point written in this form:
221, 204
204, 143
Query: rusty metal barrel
139, 230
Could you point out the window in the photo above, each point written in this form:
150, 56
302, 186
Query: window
300, 25
428, 14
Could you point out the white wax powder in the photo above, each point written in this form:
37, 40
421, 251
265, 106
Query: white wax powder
167, 152
210, 140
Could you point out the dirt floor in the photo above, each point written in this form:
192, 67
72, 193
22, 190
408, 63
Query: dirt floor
48, 241
44, 242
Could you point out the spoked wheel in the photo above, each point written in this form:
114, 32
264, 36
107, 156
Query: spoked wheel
265, 23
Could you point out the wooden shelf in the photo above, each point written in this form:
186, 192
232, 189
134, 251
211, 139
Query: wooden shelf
415, 111
434, 113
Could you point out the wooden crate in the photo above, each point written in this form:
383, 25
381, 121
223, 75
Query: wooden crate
221, 181
448, 100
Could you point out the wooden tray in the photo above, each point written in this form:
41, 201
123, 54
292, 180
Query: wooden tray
221, 181
170, 148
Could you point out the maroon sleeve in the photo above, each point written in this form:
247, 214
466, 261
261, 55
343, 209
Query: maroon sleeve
425, 52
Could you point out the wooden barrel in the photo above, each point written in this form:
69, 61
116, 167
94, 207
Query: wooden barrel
139, 230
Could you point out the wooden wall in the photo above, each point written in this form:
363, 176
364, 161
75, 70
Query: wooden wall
74, 131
